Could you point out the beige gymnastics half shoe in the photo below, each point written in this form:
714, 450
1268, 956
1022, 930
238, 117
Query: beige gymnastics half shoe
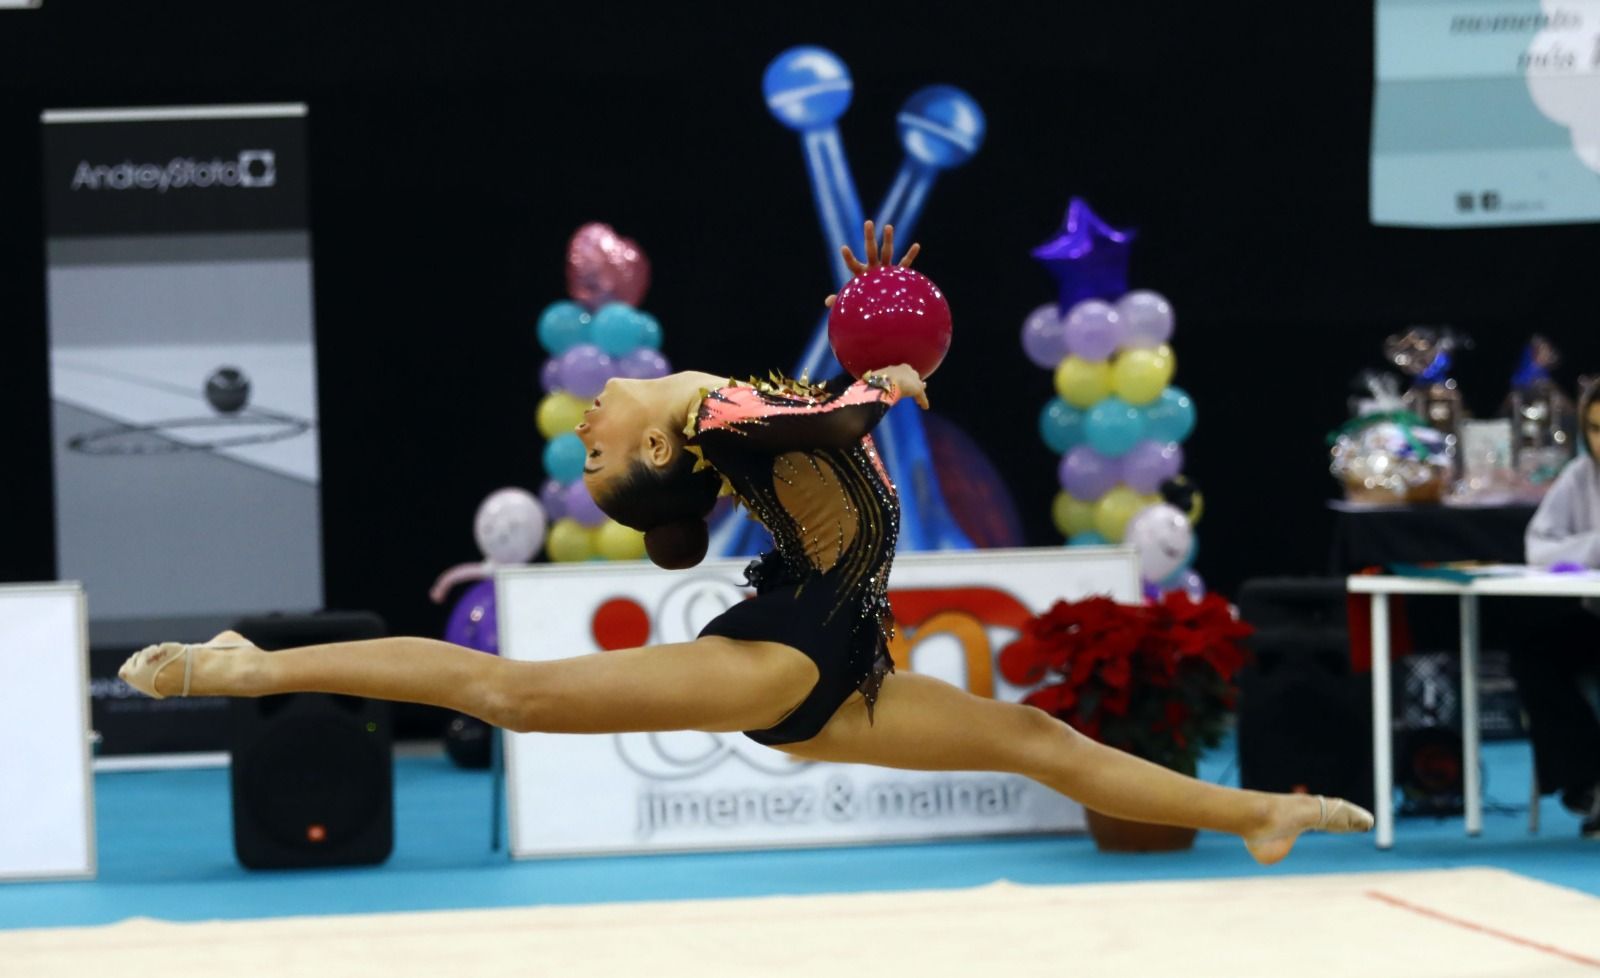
144, 667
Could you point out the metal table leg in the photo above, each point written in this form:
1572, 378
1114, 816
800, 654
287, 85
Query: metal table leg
1382, 728
1470, 733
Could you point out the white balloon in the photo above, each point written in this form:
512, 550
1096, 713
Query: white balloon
509, 526
1163, 537
1147, 319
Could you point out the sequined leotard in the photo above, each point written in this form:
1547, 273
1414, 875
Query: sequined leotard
800, 458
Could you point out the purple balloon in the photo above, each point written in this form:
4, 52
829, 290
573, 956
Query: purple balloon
1188, 582
1092, 330
643, 364
580, 505
585, 370
1043, 339
554, 497
1150, 463
550, 375
1087, 474
473, 622
1146, 319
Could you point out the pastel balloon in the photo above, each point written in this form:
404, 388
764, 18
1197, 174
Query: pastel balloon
650, 331
509, 526
1113, 427
1087, 474
1061, 426
1150, 463
1071, 515
585, 369
1147, 319
1139, 376
643, 364
581, 506
1082, 383
1114, 510
1163, 537
1189, 583
613, 541
550, 375
1092, 330
1170, 417
1087, 538
1043, 339
562, 326
552, 495
473, 623
603, 266
563, 457
617, 329
570, 541
559, 413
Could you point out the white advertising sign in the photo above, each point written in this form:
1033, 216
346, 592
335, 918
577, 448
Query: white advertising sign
46, 794
587, 794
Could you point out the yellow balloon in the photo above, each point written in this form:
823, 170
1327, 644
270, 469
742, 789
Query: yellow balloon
1081, 382
1071, 514
559, 413
1113, 511
570, 541
1196, 507
613, 541
1139, 376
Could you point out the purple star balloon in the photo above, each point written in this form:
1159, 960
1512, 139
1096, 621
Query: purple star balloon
1088, 258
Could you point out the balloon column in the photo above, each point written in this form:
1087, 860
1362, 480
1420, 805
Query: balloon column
1117, 422
596, 334
509, 528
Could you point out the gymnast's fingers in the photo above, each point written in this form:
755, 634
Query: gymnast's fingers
911, 255
871, 234
829, 301
886, 256
850, 260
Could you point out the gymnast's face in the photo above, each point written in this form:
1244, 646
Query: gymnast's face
1591, 429
624, 423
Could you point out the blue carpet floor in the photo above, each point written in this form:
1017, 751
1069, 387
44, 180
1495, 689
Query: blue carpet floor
166, 851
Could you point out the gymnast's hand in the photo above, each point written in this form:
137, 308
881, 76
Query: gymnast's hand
878, 256
906, 378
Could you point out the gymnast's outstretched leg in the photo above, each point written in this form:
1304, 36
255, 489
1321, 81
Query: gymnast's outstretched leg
711, 683
921, 723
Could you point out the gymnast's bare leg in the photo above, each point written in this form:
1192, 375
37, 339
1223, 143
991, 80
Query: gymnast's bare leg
722, 685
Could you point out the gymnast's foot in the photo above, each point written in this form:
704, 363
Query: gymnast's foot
220, 667
1293, 814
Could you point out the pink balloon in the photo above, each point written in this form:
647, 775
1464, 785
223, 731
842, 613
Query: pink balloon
603, 266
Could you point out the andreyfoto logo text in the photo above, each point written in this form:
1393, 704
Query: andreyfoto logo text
253, 169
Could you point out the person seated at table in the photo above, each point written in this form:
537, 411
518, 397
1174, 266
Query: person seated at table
1561, 648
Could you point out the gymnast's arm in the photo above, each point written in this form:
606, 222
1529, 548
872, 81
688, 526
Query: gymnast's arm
1558, 531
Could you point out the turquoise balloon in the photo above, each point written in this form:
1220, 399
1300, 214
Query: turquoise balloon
652, 331
563, 458
562, 326
618, 329
1113, 427
1088, 538
1061, 426
1169, 417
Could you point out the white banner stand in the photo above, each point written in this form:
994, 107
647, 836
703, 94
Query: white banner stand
631, 793
46, 790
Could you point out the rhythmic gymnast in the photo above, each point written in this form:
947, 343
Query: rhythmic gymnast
802, 667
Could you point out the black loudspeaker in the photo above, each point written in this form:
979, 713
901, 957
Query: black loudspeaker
1305, 722
313, 773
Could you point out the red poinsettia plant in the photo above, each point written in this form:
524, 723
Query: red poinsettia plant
1155, 680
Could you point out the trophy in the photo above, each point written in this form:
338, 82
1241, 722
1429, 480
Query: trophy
1425, 354
1543, 417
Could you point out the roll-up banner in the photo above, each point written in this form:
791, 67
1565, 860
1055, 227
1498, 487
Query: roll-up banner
183, 386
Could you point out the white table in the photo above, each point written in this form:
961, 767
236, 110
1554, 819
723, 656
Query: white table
1525, 585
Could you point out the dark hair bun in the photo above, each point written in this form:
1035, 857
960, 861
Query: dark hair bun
678, 545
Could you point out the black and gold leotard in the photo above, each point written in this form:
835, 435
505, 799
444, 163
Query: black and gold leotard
800, 457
